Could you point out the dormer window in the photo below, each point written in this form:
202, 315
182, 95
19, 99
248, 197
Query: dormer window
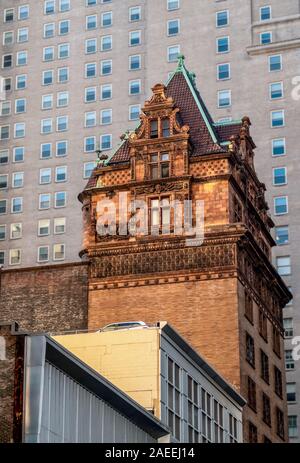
165, 127
159, 165
154, 129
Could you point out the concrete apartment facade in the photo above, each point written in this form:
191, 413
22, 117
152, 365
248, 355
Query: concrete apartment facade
249, 55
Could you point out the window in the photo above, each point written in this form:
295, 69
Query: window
135, 13
16, 205
90, 119
49, 30
59, 225
279, 423
263, 325
46, 150
8, 15
160, 215
275, 63
23, 35
134, 87
47, 101
62, 123
106, 92
4, 132
277, 119
266, 406
105, 142
250, 350
279, 176
3, 157
293, 426
90, 2
173, 52
64, 27
64, 5
193, 409
3, 206
252, 433
289, 361
23, 12
278, 147
15, 231
106, 67
90, 70
264, 363
62, 99
60, 199
172, 5
17, 179
61, 148
134, 112
19, 130
283, 265
44, 201
6, 84
223, 71
90, 46
8, 38
265, 13
134, 62
134, 38
61, 174
90, 94
282, 235
47, 77
89, 144
63, 50
2, 257
251, 393
105, 116
62, 75
2, 232
224, 98
45, 176
5, 108
58, 252
222, 18
44, 227
21, 58
223, 45
265, 38
49, 6
88, 168
91, 22
174, 399
278, 381
106, 43
173, 27
46, 126
14, 256
291, 392
3, 181
288, 327
159, 165
20, 105
21, 82
7, 61
43, 253
18, 154
106, 19
281, 205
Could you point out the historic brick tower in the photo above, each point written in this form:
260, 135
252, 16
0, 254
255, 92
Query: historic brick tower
224, 296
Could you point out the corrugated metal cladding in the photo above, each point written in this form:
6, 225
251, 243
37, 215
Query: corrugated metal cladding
71, 413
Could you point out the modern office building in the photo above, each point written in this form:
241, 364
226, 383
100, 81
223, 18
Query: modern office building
51, 396
157, 368
73, 76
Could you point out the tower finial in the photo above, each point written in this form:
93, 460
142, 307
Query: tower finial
180, 64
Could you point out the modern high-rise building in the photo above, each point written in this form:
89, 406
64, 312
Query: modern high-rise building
73, 76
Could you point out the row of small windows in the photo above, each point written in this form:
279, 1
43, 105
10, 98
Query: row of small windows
23, 13
50, 6
15, 255
222, 17
134, 11
44, 229
60, 200
61, 149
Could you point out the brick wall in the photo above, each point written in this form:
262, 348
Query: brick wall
50, 298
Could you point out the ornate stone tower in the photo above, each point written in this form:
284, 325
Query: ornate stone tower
224, 296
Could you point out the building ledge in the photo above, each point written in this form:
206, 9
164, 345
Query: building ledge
273, 47
270, 22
